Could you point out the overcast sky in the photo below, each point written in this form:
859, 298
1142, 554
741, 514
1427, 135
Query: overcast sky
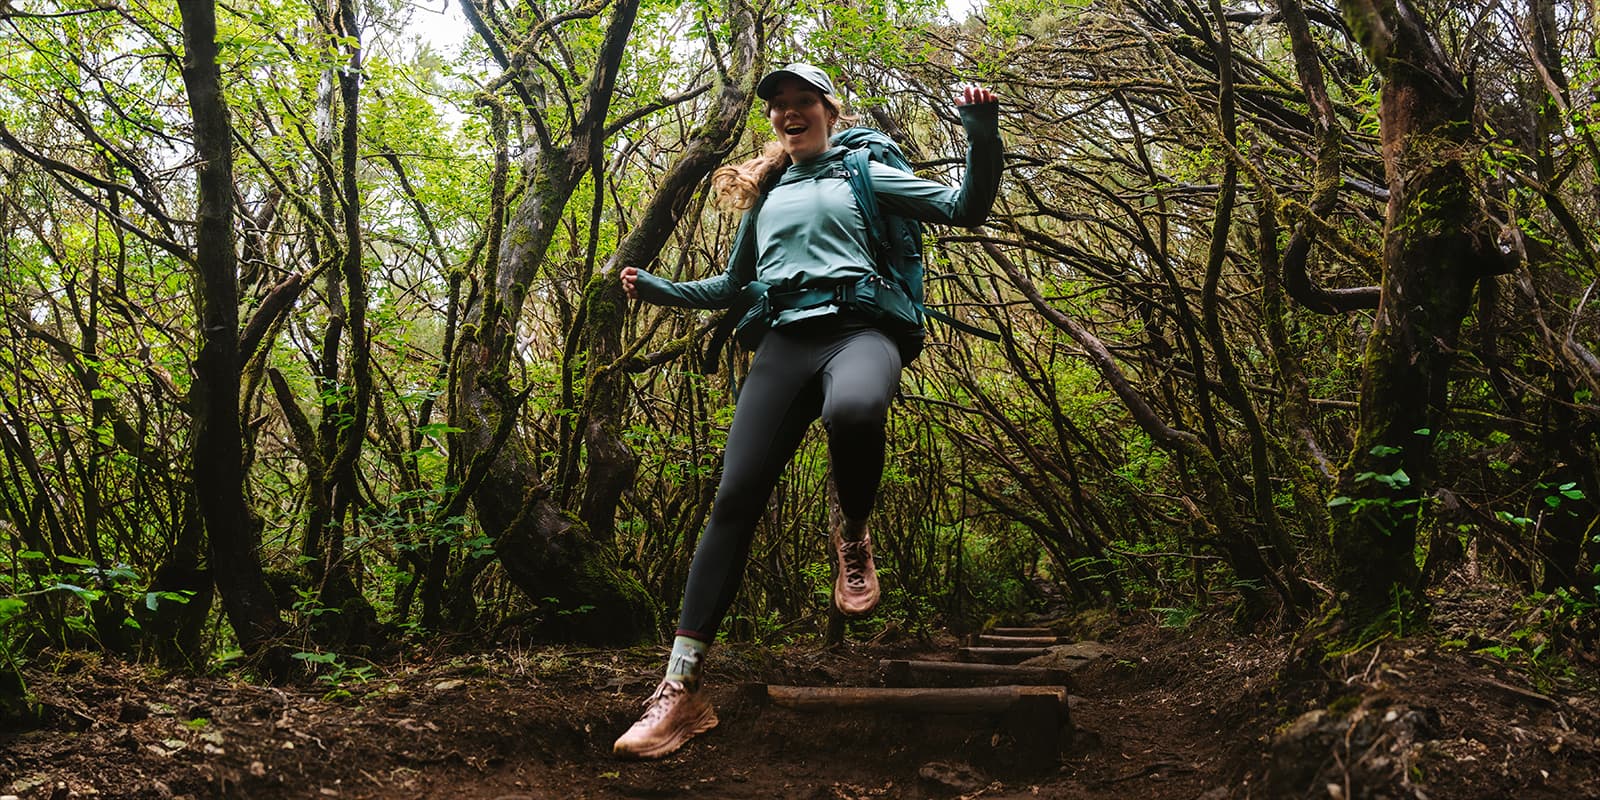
445, 29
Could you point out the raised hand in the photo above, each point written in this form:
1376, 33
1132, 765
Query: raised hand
973, 94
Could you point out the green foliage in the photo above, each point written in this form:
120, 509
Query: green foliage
1010, 467
1546, 628
1177, 617
332, 670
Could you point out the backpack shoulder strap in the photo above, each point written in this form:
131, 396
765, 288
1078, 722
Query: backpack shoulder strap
858, 163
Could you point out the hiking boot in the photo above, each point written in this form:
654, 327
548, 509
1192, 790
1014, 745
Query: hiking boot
855, 590
672, 716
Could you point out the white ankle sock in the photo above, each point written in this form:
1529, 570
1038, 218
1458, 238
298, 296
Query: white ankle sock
684, 663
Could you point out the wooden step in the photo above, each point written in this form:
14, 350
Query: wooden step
1034, 719
970, 700
991, 640
1021, 632
999, 655
897, 672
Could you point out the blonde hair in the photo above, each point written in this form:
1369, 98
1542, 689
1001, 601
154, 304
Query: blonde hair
738, 185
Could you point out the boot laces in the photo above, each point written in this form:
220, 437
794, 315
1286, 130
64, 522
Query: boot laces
662, 701
855, 557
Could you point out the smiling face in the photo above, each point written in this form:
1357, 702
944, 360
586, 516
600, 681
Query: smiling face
801, 119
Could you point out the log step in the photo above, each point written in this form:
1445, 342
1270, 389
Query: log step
1021, 632
1000, 655
1035, 719
897, 672
991, 640
971, 700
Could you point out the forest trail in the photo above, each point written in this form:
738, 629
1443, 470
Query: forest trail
1156, 713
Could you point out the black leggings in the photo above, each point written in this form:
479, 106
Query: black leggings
847, 375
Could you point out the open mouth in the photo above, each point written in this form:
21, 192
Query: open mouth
795, 130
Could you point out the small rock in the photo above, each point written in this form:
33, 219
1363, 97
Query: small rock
258, 769
952, 778
1070, 656
445, 686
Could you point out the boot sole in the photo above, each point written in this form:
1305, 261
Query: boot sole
838, 591
690, 729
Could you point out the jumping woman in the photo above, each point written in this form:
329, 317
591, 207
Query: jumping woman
826, 352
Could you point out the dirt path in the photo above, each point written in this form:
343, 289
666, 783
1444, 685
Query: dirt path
1168, 714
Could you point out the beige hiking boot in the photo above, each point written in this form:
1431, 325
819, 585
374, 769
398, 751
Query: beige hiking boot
673, 715
855, 590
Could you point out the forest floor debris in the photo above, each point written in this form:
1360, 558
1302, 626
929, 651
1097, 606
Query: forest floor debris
1165, 714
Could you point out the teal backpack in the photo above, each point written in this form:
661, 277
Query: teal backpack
894, 295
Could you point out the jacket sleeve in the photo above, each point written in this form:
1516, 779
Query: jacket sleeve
965, 206
717, 291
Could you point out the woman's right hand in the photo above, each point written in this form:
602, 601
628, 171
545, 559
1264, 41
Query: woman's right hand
630, 281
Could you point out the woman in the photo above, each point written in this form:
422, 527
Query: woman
802, 236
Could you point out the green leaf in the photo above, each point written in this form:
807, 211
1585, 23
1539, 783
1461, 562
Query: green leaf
86, 595
437, 428
154, 599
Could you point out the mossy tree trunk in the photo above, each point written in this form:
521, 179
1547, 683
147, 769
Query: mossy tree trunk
1438, 242
553, 536
545, 551
345, 384
609, 462
233, 531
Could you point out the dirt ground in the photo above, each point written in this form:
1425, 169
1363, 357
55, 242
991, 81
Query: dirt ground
1197, 714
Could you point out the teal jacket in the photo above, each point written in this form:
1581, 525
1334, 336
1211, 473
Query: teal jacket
809, 233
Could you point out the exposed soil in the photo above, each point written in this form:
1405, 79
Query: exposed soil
1191, 714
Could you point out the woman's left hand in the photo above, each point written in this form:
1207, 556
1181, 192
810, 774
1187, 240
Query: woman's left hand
973, 94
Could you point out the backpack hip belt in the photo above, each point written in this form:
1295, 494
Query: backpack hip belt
859, 294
